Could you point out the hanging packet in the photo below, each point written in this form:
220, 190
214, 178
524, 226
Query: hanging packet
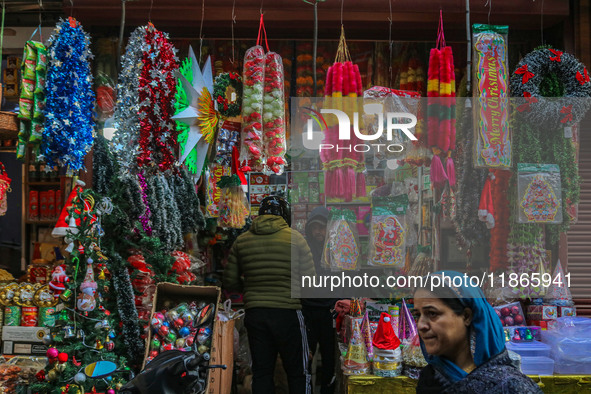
388, 232
341, 248
539, 193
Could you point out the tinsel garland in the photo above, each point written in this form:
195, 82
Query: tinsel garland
157, 88
166, 218
131, 330
127, 121
145, 216
69, 127
187, 202
470, 231
103, 169
499, 234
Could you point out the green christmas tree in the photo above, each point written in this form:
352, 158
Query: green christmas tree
87, 328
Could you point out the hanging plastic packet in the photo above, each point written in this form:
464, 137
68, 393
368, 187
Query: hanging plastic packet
228, 137
492, 139
341, 248
388, 232
539, 193
274, 115
413, 359
213, 191
234, 208
252, 109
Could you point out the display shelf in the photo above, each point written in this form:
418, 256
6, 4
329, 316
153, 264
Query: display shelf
45, 183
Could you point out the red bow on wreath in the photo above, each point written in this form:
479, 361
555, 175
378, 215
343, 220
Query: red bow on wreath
582, 79
568, 114
529, 100
558, 56
527, 75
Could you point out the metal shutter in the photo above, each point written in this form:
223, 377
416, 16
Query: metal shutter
579, 236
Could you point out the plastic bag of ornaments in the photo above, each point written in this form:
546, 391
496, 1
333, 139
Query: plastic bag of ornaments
183, 327
510, 314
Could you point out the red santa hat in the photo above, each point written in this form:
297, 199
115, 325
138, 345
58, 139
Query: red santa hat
62, 223
486, 209
384, 337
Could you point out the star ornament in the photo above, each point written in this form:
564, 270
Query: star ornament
201, 115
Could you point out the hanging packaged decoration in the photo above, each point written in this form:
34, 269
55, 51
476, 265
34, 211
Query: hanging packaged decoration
263, 109
32, 98
228, 138
214, 193
69, 105
234, 207
274, 115
341, 248
492, 139
227, 93
198, 113
441, 113
343, 166
388, 232
539, 193
4, 188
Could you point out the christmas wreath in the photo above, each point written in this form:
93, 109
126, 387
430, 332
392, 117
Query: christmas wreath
554, 86
225, 85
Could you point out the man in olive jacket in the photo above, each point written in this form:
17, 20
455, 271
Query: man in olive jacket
261, 264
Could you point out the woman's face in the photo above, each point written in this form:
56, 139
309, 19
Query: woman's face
443, 332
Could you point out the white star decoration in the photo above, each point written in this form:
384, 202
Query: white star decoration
189, 116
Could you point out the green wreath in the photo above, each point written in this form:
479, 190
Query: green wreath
227, 93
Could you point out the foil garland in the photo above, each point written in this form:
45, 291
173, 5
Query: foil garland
68, 134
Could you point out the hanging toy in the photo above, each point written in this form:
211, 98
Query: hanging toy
87, 301
233, 203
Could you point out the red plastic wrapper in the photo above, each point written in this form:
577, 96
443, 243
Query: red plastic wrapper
274, 115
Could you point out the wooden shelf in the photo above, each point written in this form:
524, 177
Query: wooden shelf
45, 183
41, 222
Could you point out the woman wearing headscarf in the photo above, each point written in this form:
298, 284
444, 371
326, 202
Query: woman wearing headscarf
462, 341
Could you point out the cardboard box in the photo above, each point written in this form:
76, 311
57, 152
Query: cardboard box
542, 312
168, 295
564, 311
543, 324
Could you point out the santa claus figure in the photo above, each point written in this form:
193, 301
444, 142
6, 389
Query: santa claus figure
86, 300
58, 280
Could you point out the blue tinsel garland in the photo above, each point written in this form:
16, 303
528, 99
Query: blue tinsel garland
69, 127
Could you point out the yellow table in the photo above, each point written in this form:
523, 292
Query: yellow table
366, 384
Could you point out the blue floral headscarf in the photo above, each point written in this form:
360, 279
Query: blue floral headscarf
486, 329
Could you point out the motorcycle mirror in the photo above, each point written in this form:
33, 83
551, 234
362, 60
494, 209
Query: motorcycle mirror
100, 369
204, 316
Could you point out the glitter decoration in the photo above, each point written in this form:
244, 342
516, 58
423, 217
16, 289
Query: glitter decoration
69, 128
145, 217
157, 88
127, 122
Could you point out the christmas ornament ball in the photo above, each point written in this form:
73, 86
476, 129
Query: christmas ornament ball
153, 353
60, 367
79, 378
62, 357
47, 340
110, 345
189, 341
52, 375
52, 352
184, 331
155, 344
518, 319
119, 386
110, 391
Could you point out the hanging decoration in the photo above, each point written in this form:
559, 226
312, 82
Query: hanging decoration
157, 139
492, 144
181, 103
233, 203
274, 115
4, 189
200, 115
69, 128
227, 93
125, 141
567, 104
388, 233
559, 292
32, 96
341, 248
441, 112
344, 166
539, 193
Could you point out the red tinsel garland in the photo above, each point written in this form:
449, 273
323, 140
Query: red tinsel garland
158, 134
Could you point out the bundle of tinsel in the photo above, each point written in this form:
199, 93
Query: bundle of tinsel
412, 76
343, 167
69, 127
441, 121
146, 134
